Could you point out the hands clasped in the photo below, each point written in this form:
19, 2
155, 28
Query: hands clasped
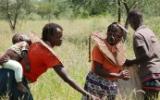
124, 74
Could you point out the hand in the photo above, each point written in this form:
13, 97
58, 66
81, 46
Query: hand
3, 60
128, 62
92, 97
125, 74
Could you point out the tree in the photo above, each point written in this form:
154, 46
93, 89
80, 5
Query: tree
93, 7
52, 8
13, 9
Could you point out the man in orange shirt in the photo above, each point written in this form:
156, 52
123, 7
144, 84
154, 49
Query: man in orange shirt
41, 57
106, 68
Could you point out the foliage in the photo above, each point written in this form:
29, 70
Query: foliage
52, 8
77, 8
93, 7
11, 10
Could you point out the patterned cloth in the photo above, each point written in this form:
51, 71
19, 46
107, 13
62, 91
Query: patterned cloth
100, 87
152, 82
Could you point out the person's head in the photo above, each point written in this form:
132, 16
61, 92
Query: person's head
52, 33
115, 32
21, 37
135, 19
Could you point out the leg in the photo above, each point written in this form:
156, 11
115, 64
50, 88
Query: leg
23, 96
16, 67
151, 95
8, 86
111, 97
6, 81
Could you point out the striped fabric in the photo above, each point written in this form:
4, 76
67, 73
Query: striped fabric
152, 82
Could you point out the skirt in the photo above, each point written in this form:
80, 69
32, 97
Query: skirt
151, 82
152, 85
100, 87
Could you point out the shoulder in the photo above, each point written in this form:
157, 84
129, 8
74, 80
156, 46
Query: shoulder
144, 31
39, 47
42, 49
21, 43
96, 49
96, 52
139, 35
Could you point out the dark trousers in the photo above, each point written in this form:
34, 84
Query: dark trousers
8, 87
151, 95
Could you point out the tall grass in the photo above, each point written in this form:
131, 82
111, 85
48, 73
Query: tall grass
73, 53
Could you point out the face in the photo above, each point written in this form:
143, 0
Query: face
56, 39
113, 38
131, 22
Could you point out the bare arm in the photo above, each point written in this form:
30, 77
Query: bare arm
59, 69
101, 72
6, 56
143, 57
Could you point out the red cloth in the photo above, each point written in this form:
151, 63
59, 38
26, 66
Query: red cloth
116, 53
99, 57
40, 59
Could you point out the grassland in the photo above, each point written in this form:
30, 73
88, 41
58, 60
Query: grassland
73, 52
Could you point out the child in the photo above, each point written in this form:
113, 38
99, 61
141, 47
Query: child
107, 61
11, 58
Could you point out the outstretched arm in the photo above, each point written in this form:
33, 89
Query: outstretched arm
143, 56
60, 70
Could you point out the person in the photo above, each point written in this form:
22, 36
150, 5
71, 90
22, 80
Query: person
10, 59
147, 55
107, 61
41, 57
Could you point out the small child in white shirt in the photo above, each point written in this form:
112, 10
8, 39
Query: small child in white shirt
11, 58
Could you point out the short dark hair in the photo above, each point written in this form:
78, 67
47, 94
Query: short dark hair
20, 37
135, 17
115, 27
50, 29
